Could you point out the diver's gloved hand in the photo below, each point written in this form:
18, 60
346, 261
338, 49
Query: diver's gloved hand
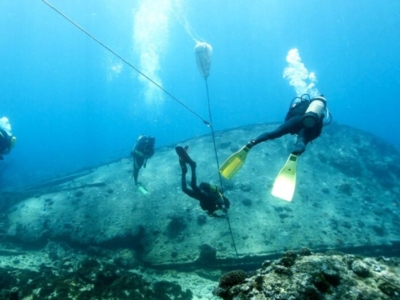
251, 144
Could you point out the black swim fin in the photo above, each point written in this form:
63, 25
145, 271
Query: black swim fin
184, 156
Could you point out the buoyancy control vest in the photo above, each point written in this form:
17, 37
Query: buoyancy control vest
297, 108
214, 192
144, 146
312, 110
6, 142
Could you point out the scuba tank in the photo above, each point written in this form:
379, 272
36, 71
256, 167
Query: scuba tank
298, 106
314, 112
144, 146
212, 190
209, 188
12, 142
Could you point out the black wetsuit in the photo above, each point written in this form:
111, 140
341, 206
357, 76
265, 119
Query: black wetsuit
5, 143
209, 202
293, 125
143, 150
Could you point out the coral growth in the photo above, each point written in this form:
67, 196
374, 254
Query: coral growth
302, 275
228, 281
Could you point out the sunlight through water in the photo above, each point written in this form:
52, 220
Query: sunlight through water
150, 40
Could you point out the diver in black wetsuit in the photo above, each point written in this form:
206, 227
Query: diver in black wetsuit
304, 118
141, 152
7, 142
211, 199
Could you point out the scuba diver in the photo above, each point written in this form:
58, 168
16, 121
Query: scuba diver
7, 140
209, 196
141, 152
304, 118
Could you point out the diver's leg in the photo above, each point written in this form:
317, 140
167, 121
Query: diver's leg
135, 174
184, 156
185, 159
137, 164
290, 126
185, 188
301, 142
193, 182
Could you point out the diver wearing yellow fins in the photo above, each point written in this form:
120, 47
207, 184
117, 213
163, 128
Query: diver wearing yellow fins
304, 118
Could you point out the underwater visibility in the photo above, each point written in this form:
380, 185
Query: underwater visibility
199, 150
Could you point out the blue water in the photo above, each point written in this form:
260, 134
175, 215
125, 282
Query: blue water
73, 104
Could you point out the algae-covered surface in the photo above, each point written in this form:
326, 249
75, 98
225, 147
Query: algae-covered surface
346, 198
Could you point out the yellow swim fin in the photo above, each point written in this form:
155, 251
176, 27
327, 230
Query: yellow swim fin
234, 162
285, 182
